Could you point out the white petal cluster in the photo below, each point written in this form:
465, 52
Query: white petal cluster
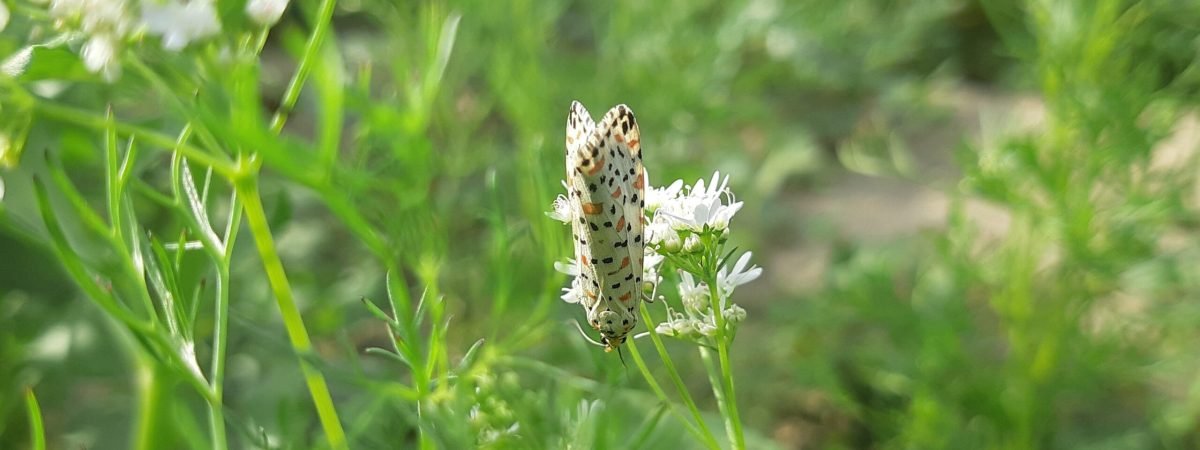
106, 24
181, 22
562, 210
694, 208
265, 12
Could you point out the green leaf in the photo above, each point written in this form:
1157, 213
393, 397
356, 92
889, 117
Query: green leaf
49, 61
37, 432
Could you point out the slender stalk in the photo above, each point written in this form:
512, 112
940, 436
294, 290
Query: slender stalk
709, 440
221, 327
311, 50
728, 402
256, 218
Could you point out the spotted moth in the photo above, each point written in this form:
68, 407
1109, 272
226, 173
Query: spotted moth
606, 193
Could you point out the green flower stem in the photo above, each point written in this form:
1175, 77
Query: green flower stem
221, 328
710, 440
728, 402
311, 50
662, 396
256, 218
154, 428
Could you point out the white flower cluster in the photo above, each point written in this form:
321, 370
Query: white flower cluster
680, 212
109, 24
697, 318
106, 23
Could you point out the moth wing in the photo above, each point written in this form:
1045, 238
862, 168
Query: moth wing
618, 140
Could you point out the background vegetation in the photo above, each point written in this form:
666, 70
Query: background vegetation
978, 223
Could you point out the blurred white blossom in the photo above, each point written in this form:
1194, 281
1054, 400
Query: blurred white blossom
3, 16
100, 56
106, 23
180, 23
265, 12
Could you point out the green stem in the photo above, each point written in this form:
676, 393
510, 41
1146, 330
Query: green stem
728, 402
221, 327
154, 429
662, 396
247, 189
709, 439
311, 49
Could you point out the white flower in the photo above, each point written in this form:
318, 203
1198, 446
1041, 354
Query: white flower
100, 56
734, 314
573, 294
571, 267
700, 206
3, 16
265, 12
693, 294
562, 210
705, 328
657, 197
727, 280
650, 266
692, 244
181, 23
659, 232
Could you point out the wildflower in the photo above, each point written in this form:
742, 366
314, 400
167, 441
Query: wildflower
105, 23
562, 210
693, 294
734, 314
100, 56
657, 197
575, 293
692, 244
181, 23
265, 12
705, 328
739, 275
659, 233
710, 206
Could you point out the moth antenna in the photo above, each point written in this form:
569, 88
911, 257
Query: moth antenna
621, 356
585, 336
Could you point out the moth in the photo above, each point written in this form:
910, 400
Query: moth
606, 193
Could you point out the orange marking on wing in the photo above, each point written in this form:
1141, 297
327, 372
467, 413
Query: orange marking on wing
619, 138
621, 223
617, 193
583, 262
591, 208
633, 143
640, 182
624, 263
596, 168
625, 298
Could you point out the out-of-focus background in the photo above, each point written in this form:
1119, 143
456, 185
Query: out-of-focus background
977, 219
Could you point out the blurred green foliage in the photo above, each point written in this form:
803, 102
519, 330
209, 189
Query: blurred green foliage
1047, 305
